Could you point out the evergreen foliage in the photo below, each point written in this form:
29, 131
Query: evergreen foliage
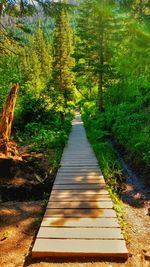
63, 62
92, 53
37, 61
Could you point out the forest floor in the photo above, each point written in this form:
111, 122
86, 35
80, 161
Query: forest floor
20, 220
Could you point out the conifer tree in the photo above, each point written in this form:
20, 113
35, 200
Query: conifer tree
95, 23
42, 48
63, 62
37, 61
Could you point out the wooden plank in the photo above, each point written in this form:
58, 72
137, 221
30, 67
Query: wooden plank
78, 164
80, 197
78, 186
70, 192
74, 148
78, 161
87, 154
80, 213
77, 180
80, 205
79, 176
66, 248
81, 222
78, 173
77, 233
79, 157
80, 169
80, 179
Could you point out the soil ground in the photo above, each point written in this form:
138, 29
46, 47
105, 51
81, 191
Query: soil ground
19, 222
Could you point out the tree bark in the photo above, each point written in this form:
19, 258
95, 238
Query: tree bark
141, 8
100, 78
6, 119
1, 10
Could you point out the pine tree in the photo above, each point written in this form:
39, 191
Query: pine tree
63, 76
42, 48
95, 23
37, 61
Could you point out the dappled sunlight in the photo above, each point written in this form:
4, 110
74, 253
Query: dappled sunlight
79, 218
80, 222
77, 123
81, 213
79, 205
17, 228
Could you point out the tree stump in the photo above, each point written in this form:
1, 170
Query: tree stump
7, 146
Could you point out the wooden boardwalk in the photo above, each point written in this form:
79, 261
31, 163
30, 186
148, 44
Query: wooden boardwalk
79, 218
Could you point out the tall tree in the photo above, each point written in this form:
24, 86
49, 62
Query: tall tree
37, 60
95, 22
63, 62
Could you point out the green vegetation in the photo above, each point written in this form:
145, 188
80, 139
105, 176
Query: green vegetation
114, 69
95, 126
63, 76
109, 163
94, 53
32, 56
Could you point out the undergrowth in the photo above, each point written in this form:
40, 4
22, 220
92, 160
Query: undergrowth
47, 135
107, 158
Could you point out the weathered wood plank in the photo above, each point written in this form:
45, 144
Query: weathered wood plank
70, 192
78, 161
77, 180
78, 186
77, 233
79, 176
81, 213
80, 197
80, 169
81, 222
67, 248
78, 157
80, 205
88, 169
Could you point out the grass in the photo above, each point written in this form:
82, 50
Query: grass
108, 161
45, 199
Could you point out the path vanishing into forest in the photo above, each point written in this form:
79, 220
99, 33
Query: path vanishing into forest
79, 218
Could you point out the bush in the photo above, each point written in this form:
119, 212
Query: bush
45, 136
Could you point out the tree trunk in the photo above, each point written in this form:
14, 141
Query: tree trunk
1, 10
6, 146
141, 8
100, 78
100, 92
